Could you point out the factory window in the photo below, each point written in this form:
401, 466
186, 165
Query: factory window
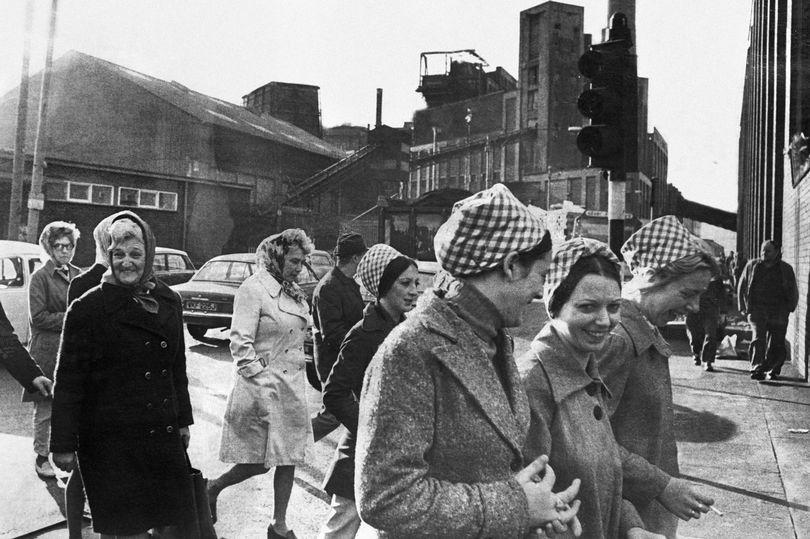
86, 193
575, 190
144, 198
531, 100
591, 200
534, 75
534, 36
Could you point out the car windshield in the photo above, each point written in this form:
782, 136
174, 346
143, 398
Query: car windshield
228, 271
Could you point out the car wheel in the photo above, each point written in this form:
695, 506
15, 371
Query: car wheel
198, 332
312, 375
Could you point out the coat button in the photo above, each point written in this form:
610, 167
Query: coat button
164, 373
147, 343
286, 350
151, 432
164, 344
170, 429
291, 332
284, 371
147, 375
598, 412
516, 465
165, 403
149, 406
590, 389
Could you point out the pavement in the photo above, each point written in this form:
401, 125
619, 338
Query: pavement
745, 443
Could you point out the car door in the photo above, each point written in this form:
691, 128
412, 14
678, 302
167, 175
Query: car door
15, 276
179, 269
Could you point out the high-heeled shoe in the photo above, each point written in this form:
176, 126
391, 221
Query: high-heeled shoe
212, 502
273, 534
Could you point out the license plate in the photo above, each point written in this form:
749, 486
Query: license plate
200, 306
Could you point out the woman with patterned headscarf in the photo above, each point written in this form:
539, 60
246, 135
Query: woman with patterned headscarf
47, 303
671, 269
393, 279
121, 399
266, 421
567, 397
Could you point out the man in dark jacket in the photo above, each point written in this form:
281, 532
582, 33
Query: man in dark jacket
767, 292
15, 358
703, 326
337, 305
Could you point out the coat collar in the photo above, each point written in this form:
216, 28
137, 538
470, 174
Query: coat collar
52, 270
118, 303
643, 335
503, 404
376, 318
285, 302
565, 371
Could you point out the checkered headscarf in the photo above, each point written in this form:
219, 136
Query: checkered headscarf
659, 243
483, 229
371, 267
566, 255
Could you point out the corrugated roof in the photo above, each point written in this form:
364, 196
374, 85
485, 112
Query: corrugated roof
210, 110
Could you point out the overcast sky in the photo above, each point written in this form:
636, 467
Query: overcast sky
693, 52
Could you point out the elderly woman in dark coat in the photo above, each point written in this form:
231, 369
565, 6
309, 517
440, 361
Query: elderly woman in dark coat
443, 414
670, 271
121, 393
47, 303
393, 279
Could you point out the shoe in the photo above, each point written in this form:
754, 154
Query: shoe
212, 503
697, 362
756, 375
44, 468
708, 367
773, 376
273, 534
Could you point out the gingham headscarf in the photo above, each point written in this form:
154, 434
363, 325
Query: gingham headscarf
659, 243
566, 255
483, 229
371, 267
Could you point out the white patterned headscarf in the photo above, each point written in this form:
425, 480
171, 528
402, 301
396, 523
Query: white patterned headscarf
483, 229
658, 244
566, 255
371, 267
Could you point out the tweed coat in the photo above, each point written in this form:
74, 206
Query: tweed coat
642, 416
47, 303
341, 393
120, 398
570, 424
266, 417
440, 437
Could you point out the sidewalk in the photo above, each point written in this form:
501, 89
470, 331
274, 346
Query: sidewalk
744, 443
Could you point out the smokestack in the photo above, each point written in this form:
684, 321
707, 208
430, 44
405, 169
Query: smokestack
628, 7
379, 108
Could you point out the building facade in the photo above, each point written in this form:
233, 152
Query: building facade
774, 156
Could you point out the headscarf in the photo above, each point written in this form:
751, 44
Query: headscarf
270, 255
125, 227
371, 267
658, 244
101, 234
566, 255
54, 230
483, 229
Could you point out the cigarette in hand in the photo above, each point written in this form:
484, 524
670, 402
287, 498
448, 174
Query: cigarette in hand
713, 508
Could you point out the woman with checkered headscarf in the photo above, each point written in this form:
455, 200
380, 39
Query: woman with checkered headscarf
670, 269
393, 280
443, 415
567, 397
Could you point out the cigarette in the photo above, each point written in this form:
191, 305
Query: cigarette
719, 512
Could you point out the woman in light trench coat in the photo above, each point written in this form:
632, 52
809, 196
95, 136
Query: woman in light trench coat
266, 421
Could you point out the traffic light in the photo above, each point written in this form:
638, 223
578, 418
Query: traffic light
611, 103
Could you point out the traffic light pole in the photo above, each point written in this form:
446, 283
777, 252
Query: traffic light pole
616, 210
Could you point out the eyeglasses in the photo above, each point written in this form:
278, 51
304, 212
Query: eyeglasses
62, 246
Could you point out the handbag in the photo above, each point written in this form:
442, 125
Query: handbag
202, 520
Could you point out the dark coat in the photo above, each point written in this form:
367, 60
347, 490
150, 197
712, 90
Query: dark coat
341, 394
337, 305
439, 436
85, 281
749, 275
14, 356
120, 396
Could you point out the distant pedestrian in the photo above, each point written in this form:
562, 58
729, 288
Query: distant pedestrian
767, 293
671, 269
121, 399
703, 326
393, 279
443, 414
16, 360
567, 398
266, 421
47, 303
337, 305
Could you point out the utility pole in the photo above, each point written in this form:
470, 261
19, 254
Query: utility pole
18, 168
36, 200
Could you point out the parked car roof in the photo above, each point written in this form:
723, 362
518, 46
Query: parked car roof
170, 250
9, 247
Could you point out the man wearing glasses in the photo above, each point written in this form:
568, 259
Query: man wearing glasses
47, 303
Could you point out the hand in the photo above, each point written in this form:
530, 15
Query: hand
547, 509
185, 435
43, 385
683, 500
64, 461
640, 533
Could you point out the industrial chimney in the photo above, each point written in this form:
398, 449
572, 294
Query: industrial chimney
379, 108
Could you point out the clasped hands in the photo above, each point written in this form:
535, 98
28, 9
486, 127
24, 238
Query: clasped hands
549, 512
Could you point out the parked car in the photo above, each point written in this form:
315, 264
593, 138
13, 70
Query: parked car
172, 266
18, 260
321, 262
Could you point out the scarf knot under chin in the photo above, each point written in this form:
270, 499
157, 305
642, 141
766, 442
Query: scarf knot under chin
288, 287
141, 292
